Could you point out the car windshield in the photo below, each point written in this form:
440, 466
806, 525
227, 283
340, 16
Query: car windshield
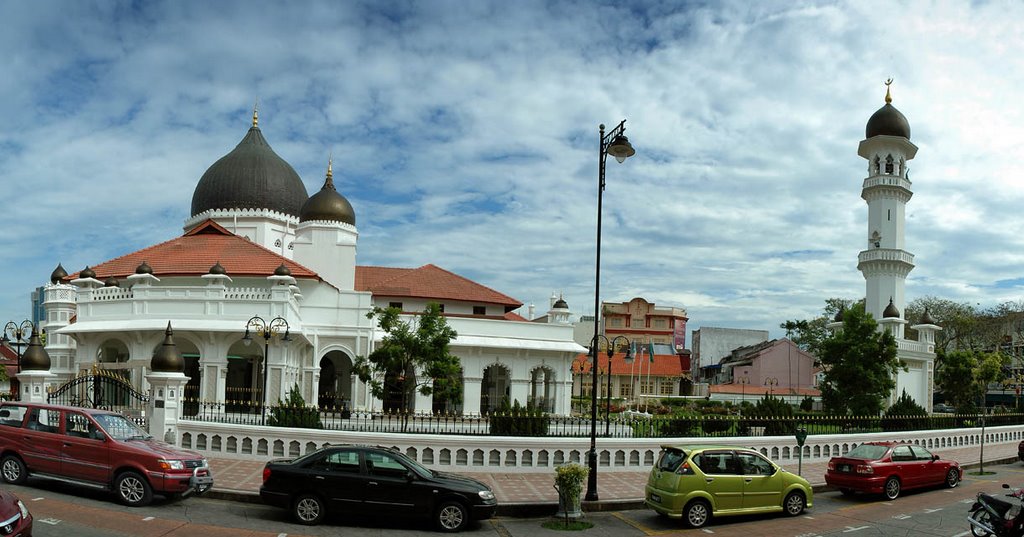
419, 469
671, 460
121, 428
867, 452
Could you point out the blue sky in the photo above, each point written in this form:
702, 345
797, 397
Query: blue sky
465, 135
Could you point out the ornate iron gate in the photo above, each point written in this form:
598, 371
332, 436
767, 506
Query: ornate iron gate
102, 388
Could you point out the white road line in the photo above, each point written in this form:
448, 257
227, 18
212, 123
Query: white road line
808, 517
707, 531
901, 517
851, 528
50, 521
37, 499
147, 519
929, 511
962, 534
282, 535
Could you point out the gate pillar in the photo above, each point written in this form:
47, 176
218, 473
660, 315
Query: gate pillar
35, 385
165, 404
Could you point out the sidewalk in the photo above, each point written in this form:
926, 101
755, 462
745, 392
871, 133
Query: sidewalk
533, 494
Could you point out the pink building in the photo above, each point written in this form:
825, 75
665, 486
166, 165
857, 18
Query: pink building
777, 367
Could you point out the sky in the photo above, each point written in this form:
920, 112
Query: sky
465, 134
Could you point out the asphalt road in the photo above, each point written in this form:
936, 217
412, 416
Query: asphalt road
62, 510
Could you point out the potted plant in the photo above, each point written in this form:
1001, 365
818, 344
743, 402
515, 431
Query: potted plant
569, 484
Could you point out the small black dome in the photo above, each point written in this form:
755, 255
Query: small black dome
282, 271
144, 268
839, 315
926, 318
35, 358
891, 311
58, 274
218, 269
887, 121
167, 359
328, 205
560, 304
110, 282
251, 176
87, 273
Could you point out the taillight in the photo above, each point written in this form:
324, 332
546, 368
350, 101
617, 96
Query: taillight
831, 466
684, 469
266, 473
865, 469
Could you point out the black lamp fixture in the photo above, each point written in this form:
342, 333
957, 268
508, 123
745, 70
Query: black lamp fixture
268, 331
617, 145
17, 335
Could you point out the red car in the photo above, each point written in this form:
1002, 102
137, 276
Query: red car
15, 520
889, 467
95, 448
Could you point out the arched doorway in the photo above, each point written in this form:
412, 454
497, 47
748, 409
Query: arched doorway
112, 356
243, 385
542, 389
496, 388
335, 388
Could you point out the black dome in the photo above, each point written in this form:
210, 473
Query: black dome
87, 273
560, 304
167, 359
887, 121
328, 205
58, 274
891, 312
35, 358
251, 176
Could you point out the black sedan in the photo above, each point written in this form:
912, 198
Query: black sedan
376, 481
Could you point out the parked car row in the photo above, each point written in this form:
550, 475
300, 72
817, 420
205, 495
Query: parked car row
696, 483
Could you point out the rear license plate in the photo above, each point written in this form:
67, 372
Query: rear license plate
655, 498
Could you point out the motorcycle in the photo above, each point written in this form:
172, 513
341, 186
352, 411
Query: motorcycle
994, 515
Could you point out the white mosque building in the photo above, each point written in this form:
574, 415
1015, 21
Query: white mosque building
885, 262
256, 245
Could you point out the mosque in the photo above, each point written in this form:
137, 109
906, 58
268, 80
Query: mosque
263, 291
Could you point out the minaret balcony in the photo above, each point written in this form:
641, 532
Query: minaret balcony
890, 183
884, 257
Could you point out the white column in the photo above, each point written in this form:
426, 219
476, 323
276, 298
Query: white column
471, 395
34, 385
165, 404
519, 391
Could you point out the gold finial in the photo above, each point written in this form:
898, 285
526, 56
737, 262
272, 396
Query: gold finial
888, 96
330, 160
256, 114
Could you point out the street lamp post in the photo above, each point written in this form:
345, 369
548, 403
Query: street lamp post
266, 330
743, 387
617, 145
771, 383
18, 335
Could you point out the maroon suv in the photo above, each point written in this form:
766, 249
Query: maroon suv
95, 448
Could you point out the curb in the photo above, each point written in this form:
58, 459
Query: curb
546, 509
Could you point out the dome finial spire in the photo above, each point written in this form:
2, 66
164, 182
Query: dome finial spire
256, 113
888, 96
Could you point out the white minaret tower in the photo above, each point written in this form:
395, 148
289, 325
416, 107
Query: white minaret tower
885, 262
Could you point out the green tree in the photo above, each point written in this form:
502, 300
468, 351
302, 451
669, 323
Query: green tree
294, 412
411, 349
859, 364
956, 380
808, 334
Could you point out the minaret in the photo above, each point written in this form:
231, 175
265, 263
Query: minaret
885, 263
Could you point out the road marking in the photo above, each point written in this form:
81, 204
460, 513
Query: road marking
851, 528
901, 517
707, 531
37, 499
808, 517
968, 500
930, 511
50, 521
282, 535
147, 519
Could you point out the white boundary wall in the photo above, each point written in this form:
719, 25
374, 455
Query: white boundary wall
523, 454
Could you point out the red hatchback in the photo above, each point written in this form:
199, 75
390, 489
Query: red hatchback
15, 520
889, 467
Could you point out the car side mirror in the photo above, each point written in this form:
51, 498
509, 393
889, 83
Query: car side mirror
935, 457
410, 476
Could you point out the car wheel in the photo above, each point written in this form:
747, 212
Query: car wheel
892, 488
952, 478
847, 492
452, 516
308, 509
13, 470
794, 503
133, 490
697, 513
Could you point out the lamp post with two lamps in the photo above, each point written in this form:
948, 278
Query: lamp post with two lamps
608, 392
743, 387
771, 383
617, 145
268, 331
18, 335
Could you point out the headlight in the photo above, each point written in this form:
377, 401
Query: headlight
486, 495
171, 465
23, 509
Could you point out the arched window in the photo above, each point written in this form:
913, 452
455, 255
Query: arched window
877, 165
888, 164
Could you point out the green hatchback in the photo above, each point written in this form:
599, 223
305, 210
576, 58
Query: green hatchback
698, 482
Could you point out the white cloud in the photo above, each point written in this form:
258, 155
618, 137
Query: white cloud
465, 134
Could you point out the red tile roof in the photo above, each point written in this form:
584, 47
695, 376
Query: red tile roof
665, 365
429, 282
195, 252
